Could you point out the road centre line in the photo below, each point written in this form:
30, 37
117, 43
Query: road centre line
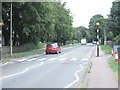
76, 76
21, 72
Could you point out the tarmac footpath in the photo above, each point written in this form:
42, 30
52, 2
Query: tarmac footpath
101, 75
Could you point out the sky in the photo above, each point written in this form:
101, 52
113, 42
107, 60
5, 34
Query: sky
83, 10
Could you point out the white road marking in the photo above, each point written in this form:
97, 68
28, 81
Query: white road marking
32, 59
76, 76
14, 74
62, 59
21, 72
22, 60
4, 64
41, 59
52, 59
73, 59
85, 59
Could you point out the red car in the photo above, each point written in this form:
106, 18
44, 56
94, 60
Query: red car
52, 48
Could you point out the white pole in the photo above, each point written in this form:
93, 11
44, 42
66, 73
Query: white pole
1, 30
11, 30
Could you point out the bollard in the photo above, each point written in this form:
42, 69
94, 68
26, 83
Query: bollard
116, 50
112, 52
116, 57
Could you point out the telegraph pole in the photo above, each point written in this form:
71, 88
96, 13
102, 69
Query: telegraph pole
98, 43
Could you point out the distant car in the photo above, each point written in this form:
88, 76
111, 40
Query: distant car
94, 42
83, 41
52, 48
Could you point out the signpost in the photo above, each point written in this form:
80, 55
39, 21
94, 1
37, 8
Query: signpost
97, 25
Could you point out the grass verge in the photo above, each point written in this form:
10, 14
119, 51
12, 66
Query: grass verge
106, 48
111, 61
114, 66
34, 52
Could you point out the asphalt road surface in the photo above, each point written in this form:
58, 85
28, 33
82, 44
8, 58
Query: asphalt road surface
62, 70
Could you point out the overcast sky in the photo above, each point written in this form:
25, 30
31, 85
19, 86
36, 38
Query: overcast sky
83, 10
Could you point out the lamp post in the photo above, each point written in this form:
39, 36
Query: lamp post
97, 25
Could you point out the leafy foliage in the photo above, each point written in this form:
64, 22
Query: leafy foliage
114, 22
35, 22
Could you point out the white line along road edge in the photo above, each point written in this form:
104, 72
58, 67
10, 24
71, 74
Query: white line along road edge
76, 76
21, 72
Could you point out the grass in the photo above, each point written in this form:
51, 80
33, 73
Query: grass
28, 53
35, 52
106, 48
111, 61
114, 66
69, 45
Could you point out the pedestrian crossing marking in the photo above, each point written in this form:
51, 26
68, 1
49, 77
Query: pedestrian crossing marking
41, 59
61, 59
73, 59
32, 59
22, 60
52, 59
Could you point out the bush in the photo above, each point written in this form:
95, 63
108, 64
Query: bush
32, 46
106, 48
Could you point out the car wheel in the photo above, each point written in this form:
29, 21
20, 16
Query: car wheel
47, 53
57, 52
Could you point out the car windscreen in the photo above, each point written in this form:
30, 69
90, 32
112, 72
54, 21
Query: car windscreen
51, 45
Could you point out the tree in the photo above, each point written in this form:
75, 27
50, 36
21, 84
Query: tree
114, 22
102, 27
37, 22
81, 32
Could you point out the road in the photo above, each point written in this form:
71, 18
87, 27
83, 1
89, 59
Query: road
62, 70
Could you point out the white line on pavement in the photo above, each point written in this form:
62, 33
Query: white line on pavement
22, 60
41, 59
21, 72
85, 59
32, 59
76, 76
61, 59
73, 59
52, 59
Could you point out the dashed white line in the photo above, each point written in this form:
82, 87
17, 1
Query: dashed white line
21, 72
22, 60
73, 59
62, 59
32, 59
85, 59
52, 59
76, 76
41, 59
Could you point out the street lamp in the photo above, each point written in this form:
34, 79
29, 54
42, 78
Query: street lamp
97, 25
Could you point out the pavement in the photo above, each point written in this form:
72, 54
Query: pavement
101, 75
